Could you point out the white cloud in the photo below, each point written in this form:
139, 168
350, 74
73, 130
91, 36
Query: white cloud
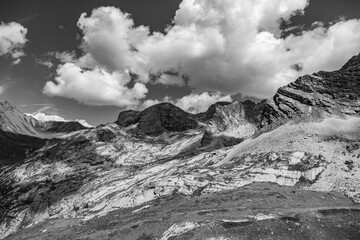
16, 62
12, 39
193, 103
168, 79
227, 46
45, 118
2, 89
95, 86
64, 57
102, 75
45, 63
235, 46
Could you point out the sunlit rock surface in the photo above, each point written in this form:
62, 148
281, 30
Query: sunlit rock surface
87, 175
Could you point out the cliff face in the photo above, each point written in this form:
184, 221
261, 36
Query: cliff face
237, 119
318, 95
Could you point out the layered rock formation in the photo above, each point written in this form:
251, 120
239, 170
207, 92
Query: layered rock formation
316, 96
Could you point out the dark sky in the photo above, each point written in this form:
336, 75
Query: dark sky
52, 26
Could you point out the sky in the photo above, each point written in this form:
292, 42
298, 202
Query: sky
91, 59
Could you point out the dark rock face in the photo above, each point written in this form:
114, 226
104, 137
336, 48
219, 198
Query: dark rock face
105, 135
253, 111
128, 118
165, 117
158, 119
314, 96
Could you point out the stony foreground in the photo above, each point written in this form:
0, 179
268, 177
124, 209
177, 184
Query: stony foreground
260, 211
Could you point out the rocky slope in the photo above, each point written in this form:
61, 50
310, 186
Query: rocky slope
316, 96
14, 121
297, 177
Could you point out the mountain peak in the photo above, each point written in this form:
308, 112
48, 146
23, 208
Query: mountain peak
354, 62
158, 118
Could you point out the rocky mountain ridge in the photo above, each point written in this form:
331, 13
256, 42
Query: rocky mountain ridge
296, 166
166, 118
16, 122
316, 96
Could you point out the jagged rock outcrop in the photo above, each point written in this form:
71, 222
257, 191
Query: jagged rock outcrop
315, 96
239, 118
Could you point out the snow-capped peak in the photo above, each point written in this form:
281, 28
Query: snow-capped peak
42, 117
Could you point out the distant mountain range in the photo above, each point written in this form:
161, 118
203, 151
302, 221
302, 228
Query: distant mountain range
20, 133
284, 168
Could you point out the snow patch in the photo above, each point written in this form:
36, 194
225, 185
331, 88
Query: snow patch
42, 117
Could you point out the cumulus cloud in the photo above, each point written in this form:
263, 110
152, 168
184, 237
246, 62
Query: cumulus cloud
193, 103
223, 46
103, 74
44, 117
235, 46
170, 79
95, 86
12, 39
